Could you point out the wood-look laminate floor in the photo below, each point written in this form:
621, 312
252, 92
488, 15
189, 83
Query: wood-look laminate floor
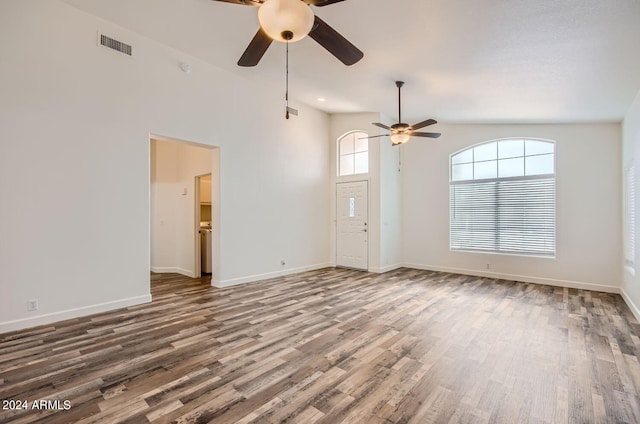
335, 346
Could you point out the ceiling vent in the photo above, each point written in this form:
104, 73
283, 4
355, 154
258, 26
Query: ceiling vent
114, 44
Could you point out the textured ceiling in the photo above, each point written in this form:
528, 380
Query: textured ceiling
477, 61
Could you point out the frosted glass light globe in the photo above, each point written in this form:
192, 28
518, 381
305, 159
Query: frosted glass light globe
276, 17
399, 138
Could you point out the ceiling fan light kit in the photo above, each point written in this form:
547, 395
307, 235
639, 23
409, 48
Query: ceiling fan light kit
286, 20
399, 138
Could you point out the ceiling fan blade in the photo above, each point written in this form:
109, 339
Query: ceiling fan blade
424, 134
424, 124
375, 136
335, 43
255, 50
378, 124
243, 2
321, 3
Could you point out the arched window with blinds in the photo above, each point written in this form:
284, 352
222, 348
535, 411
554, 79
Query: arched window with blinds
503, 198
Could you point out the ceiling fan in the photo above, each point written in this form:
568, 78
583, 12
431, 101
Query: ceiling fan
401, 132
290, 21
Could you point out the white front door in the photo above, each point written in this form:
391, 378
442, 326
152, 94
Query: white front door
352, 232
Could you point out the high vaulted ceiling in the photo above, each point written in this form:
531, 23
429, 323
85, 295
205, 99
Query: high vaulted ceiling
462, 60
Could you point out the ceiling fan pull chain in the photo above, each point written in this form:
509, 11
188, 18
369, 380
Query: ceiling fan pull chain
286, 93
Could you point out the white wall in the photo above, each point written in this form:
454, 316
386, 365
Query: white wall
631, 155
75, 122
390, 206
588, 242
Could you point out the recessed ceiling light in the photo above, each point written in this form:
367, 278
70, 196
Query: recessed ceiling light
321, 99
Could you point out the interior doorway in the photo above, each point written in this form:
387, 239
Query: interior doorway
179, 171
352, 234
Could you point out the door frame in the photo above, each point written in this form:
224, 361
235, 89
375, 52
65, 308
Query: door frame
337, 221
197, 267
214, 170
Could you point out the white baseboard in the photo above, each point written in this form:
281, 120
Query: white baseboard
523, 278
385, 268
258, 277
35, 321
173, 270
634, 308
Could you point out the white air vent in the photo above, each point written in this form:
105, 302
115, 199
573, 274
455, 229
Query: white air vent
114, 44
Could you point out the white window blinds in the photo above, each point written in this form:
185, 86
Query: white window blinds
507, 216
630, 214
493, 212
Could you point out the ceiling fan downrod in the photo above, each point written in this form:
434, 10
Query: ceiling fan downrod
399, 84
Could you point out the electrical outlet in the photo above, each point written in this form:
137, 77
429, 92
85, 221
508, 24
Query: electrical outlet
282, 262
32, 305
488, 266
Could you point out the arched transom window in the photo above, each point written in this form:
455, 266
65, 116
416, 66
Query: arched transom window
353, 153
502, 197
